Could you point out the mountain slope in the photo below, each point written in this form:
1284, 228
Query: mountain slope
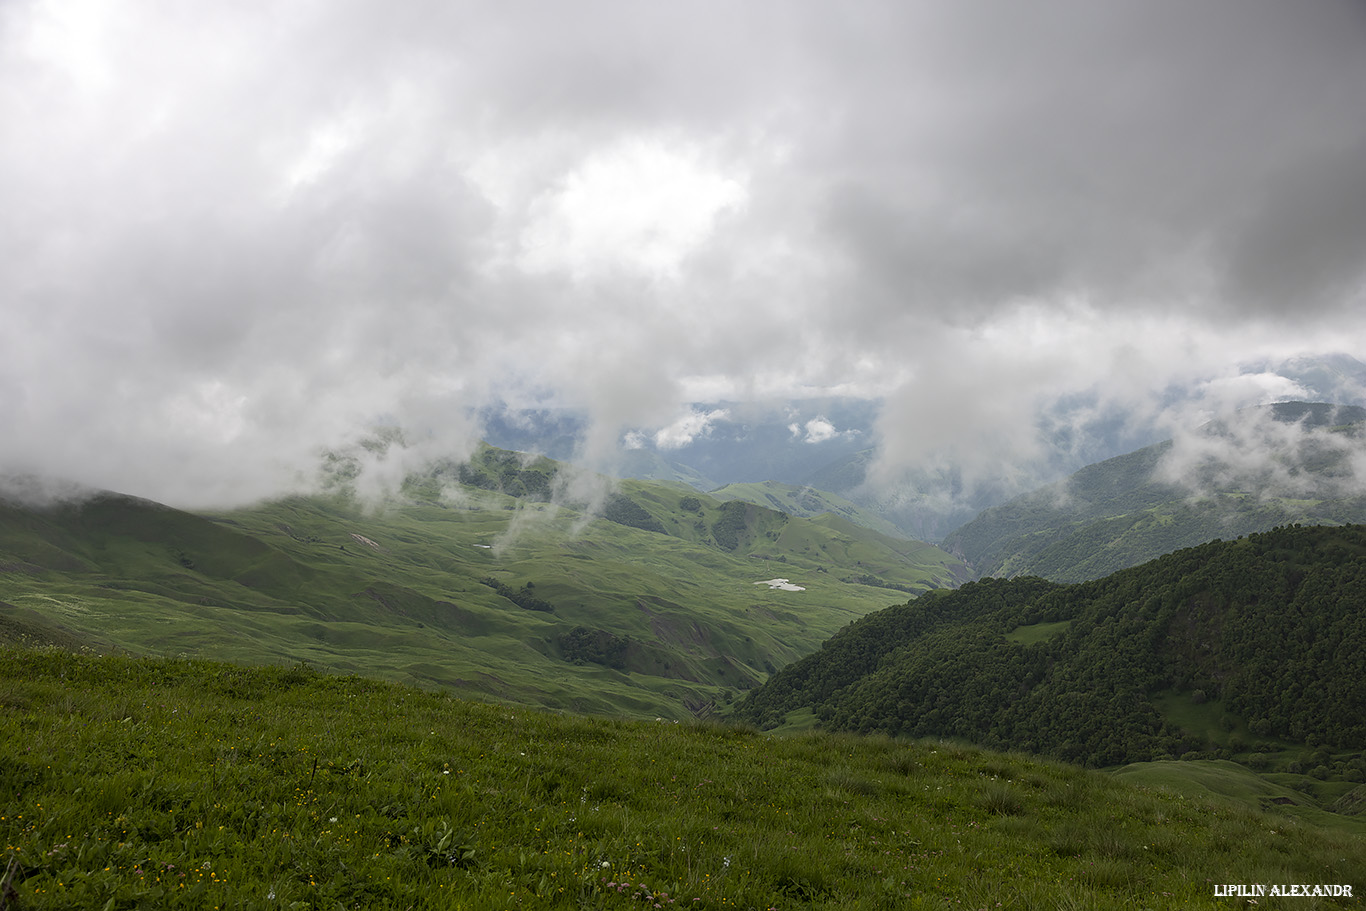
1125, 510
481, 579
186, 784
805, 502
1265, 636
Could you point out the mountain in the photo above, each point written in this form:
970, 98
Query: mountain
493, 578
830, 443
1335, 377
715, 443
925, 504
1252, 650
648, 465
805, 502
1281, 464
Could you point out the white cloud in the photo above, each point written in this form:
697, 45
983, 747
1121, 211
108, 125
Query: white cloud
819, 430
692, 425
642, 204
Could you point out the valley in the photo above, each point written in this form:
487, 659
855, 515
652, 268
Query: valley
485, 587
1222, 674
739, 457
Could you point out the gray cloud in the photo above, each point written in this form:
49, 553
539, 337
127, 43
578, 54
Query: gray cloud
235, 237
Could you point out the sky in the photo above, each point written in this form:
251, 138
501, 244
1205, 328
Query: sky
237, 235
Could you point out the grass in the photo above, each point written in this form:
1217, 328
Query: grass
1038, 632
805, 501
397, 591
188, 784
1223, 778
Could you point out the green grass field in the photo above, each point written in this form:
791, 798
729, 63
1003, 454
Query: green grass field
1038, 632
136, 783
1223, 778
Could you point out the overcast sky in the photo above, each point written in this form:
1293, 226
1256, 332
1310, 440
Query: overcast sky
233, 234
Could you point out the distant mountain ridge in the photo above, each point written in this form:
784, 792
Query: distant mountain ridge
1132, 508
830, 443
806, 502
710, 445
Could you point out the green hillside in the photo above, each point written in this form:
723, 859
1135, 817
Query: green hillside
806, 502
479, 579
1120, 513
186, 784
1252, 650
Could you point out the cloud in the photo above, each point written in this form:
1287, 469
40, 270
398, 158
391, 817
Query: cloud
1266, 454
688, 428
239, 237
643, 205
817, 430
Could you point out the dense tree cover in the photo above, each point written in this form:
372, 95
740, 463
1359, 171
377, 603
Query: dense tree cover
727, 529
597, 646
625, 511
1273, 624
522, 597
512, 473
504, 472
859, 649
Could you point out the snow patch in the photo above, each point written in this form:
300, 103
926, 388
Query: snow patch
783, 584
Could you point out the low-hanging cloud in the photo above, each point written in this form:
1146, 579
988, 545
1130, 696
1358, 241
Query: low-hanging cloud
818, 430
689, 427
1265, 454
238, 238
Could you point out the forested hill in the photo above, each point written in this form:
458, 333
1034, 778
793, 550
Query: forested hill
1266, 634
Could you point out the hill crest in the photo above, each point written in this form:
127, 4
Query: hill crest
1266, 633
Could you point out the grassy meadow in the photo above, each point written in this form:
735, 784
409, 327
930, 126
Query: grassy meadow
180, 783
